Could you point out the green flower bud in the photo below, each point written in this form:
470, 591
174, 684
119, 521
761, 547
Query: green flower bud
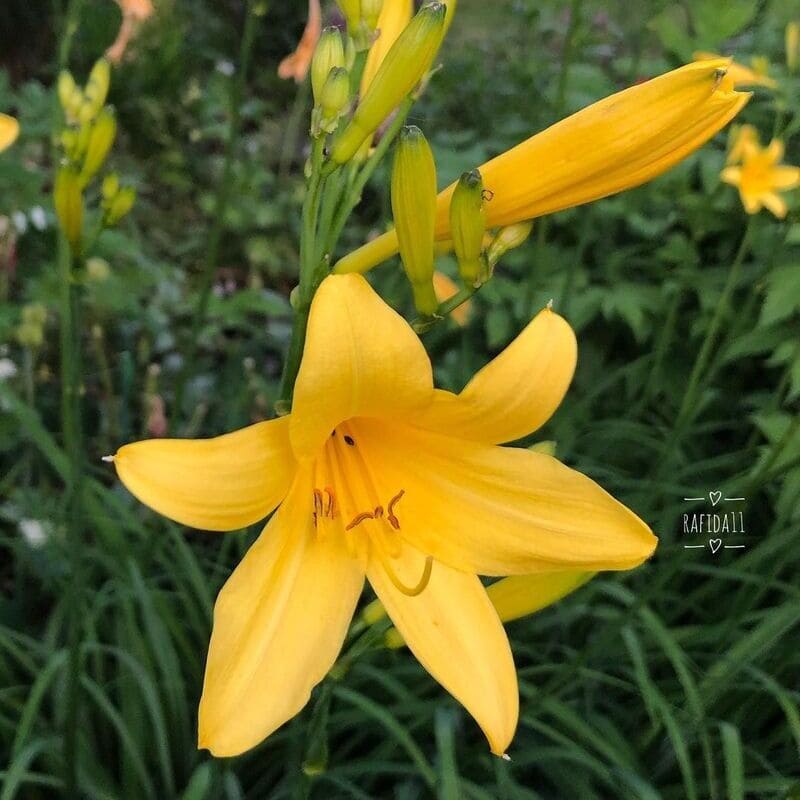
34, 314
120, 205
30, 335
507, 239
101, 138
468, 224
414, 210
69, 95
110, 186
96, 90
328, 55
68, 202
98, 270
335, 98
409, 58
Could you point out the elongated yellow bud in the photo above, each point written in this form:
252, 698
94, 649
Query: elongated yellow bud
409, 58
335, 93
68, 202
103, 131
507, 239
521, 595
619, 142
110, 186
792, 45
395, 15
69, 95
414, 210
468, 224
96, 90
328, 55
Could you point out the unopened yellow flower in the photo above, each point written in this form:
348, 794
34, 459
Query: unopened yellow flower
742, 140
296, 64
761, 176
615, 144
754, 75
445, 288
9, 130
394, 16
134, 13
378, 474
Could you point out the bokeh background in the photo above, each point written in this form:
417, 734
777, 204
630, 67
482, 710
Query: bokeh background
679, 681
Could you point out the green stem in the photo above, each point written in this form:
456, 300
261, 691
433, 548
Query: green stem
424, 324
221, 199
295, 119
73, 442
777, 450
707, 348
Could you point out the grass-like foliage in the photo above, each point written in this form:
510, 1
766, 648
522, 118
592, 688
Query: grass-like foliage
679, 680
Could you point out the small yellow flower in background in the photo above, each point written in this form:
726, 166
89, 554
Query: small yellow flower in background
615, 144
296, 65
445, 288
377, 474
9, 130
761, 176
792, 45
134, 13
754, 75
742, 139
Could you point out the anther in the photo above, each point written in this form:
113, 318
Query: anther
359, 518
390, 515
330, 508
378, 512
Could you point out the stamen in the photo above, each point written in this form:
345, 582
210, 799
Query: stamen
378, 512
409, 591
359, 518
390, 515
330, 509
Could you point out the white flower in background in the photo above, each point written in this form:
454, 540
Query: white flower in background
33, 531
8, 369
227, 68
20, 221
38, 218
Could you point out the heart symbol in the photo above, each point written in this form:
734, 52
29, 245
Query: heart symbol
715, 497
715, 544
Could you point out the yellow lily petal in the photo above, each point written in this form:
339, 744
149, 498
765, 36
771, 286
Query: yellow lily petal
521, 595
500, 510
732, 175
775, 203
455, 633
361, 358
279, 623
9, 130
219, 484
515, 393
615, 144
785, 177
394, 16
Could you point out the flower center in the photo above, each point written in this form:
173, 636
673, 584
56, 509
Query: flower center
347, 501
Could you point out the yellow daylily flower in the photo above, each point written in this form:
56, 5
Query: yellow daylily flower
379, 475
760, 177
394, 16
754, 75
615, 144
742, 140
296, 64
9, 130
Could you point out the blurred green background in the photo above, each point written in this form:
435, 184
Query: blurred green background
679, 680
